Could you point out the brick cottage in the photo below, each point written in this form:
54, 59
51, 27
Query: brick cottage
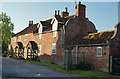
46, 40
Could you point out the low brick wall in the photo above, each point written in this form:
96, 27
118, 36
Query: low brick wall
51, 59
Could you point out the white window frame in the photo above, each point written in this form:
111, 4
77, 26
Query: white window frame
19, 38
99, 51
26, 37
14, 39
29, 51
39, 49
54, 33
39, 35
54, 44
13, 49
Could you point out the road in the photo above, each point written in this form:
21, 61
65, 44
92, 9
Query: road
13, 68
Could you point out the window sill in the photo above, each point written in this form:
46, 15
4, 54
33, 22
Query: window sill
54, 36
99, 56
53, 54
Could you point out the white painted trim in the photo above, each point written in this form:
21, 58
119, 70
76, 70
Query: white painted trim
39, 52
54, 33
98, 51
61, 22
14, 39
19, 38
54, 44
40, 35
25, 37
53, 20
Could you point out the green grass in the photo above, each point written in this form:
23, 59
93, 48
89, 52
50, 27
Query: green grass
84, 73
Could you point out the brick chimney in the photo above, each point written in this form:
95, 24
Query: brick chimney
30, 23
80, 10
64, 14
55, 12
58, 12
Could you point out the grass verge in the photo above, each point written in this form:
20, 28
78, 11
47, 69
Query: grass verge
84, 73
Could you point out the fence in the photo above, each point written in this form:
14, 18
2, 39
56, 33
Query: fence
115, 66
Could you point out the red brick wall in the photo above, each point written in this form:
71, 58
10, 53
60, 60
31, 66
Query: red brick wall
90, 55
46, 42
29, 38
115, 42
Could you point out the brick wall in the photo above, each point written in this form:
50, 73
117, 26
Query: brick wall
46, 42
115, 42
90, 55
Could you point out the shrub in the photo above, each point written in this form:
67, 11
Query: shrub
83, 65
9, 56
3, 55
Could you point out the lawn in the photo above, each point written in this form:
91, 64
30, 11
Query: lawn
84, 73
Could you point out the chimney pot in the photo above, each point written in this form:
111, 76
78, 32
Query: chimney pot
58, 12
79, 2
66, 9
55, 12
30, 23
80, 10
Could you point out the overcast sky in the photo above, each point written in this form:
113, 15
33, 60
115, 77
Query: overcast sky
103, 14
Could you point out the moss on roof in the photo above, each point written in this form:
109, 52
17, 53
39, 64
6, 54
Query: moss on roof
99, 35
92, 38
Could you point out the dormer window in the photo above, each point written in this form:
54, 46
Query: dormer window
25, 37
19, 38
14, 39
54, 23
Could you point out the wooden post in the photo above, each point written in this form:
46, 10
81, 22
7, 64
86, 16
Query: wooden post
67, 57
76, 54
111, 64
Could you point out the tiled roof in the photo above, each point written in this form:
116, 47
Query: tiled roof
69, 17
49, 20
60, 19
32, 44
27, 30
93, 38
46, 25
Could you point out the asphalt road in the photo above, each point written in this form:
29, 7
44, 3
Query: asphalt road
12, 68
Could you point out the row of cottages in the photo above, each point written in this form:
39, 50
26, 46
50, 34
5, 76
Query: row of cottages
47, 40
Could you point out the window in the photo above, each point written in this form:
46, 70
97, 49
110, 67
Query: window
53, 48
17, 50
29, 51
14, 39
39, 35
25, 37
19, 38
14, 50
39, 49
54, 33
99, 51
